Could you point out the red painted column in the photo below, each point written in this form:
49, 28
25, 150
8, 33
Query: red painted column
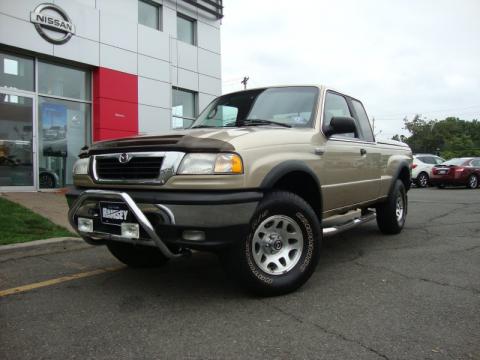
115, 104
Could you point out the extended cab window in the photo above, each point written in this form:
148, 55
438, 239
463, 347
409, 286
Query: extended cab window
362, 118
335, 105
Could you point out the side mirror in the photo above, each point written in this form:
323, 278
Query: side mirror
341, 125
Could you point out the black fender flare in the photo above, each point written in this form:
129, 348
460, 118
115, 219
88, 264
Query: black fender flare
284, 168
401, 166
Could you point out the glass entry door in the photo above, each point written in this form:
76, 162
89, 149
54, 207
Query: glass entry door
17, 150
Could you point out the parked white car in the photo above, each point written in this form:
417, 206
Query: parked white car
422, 168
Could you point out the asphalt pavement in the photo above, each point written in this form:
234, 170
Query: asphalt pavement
411, 296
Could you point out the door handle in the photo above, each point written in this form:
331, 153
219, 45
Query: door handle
319, 151
363, 152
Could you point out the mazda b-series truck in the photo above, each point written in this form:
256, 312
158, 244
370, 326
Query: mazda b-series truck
260, 177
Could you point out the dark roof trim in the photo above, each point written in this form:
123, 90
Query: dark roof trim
214, 7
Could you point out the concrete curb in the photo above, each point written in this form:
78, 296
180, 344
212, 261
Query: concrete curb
39, 247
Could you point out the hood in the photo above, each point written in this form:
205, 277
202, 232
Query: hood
195, 140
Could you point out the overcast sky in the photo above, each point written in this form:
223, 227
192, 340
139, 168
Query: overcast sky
398, 57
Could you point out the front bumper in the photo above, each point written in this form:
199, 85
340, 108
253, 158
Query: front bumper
222, 217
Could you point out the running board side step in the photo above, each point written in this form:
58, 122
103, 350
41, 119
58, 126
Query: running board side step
337, 229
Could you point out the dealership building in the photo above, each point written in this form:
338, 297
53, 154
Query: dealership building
73, 72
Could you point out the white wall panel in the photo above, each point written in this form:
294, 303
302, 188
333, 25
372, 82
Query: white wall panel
208, 37
85, 18
79, 49
19, 8
153, 43
187, 80
154, 93
174, 75
118, 59
204, 100
124, 10
187, 56
169, 21
153, 120
118, 32
173, 52
90, 3
209, 63
22, 34
153, 68
210, 85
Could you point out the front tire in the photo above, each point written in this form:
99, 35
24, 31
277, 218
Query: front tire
392, 213
422, 180
282, 248
136, 256
472, 182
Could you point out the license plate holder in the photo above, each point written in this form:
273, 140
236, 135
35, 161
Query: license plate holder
442, 172
113, 213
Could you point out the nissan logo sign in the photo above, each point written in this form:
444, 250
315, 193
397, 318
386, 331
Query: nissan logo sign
52, 23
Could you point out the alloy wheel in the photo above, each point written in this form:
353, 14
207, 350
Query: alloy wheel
277, 244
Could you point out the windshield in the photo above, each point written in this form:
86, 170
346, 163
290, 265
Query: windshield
289, 106
455, 161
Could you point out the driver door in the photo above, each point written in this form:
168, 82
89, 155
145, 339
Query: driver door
350, 162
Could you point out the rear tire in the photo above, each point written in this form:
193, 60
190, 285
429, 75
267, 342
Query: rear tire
422, 180
136, 256
282, 249
392, 213
472, 182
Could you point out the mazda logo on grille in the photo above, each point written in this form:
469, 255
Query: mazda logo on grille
124, 158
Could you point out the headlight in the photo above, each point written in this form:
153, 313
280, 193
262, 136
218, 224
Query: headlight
81, 166
202, 163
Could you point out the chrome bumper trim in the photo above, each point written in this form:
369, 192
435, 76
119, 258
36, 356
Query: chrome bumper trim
140, 216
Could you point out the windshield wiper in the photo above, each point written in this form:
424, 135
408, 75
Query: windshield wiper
253, 122
203, 127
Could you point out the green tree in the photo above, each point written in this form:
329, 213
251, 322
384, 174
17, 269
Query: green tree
452, 136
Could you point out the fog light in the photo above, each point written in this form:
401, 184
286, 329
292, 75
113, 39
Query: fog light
193, 235
85, 225
130, 230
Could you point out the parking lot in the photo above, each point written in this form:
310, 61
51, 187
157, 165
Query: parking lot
411, 296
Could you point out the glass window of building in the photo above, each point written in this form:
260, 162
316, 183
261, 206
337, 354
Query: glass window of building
186, 29
64, 108
63, 81
184, 108
16, 140
150, 14
16, 71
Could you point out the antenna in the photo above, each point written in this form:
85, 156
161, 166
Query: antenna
244, 82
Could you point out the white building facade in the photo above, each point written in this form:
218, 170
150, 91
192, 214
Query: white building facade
77, 71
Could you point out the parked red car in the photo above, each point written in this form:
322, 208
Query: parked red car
457, 171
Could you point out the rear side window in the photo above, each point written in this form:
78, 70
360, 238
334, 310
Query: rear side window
335, 105
429, 160
476, 162
362, 118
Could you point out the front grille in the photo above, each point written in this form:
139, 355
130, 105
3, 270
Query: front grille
138, 168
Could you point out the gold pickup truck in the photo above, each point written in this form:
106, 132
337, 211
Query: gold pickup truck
260, 177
